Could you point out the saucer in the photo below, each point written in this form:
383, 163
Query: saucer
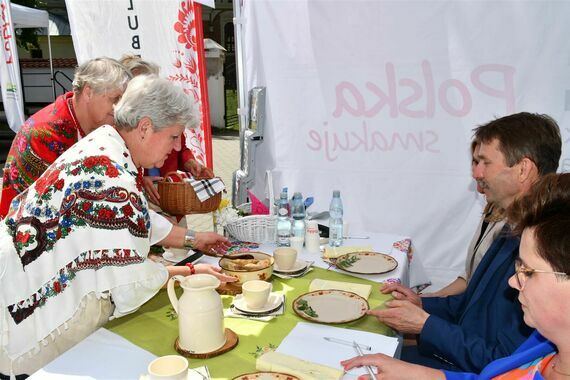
297, 267
273, 303
193, 374
173, 254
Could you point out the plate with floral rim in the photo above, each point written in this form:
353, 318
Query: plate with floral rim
330, 306
366, 262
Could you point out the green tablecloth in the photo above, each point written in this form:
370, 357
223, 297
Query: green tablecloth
154, 329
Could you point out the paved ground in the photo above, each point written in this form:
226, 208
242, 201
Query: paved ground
226, 161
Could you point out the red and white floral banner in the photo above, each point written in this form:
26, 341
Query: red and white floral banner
160, 31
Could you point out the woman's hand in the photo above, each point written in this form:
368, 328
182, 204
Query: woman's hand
214, 271
211, 243
390, 368
150, 189
198, 170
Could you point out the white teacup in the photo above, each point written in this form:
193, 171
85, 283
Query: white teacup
256, 293
285, 257
178, 253
170, 367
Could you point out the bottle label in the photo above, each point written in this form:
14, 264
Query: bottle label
283, 211
283, 240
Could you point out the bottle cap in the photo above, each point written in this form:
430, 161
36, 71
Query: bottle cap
336, 193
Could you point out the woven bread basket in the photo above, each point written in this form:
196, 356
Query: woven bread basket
255, 228
179, 198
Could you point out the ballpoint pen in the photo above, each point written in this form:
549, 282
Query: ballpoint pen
346, 342
368, 368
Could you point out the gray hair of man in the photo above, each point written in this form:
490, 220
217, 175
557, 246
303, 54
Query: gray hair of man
164, 103
137, 66
101, 74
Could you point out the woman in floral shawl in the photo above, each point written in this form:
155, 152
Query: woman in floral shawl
73, 247
97, 85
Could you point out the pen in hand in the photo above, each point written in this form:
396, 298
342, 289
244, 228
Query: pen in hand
368, 368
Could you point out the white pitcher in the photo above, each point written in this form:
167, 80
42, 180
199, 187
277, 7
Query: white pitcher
200, 313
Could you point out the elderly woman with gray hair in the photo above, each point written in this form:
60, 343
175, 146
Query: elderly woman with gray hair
73, 248
97, 85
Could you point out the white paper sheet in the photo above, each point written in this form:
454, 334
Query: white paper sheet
306, 341
102, 355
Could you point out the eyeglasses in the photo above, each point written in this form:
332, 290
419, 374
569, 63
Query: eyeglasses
522, 273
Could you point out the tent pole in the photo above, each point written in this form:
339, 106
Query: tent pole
51, 64
242, 91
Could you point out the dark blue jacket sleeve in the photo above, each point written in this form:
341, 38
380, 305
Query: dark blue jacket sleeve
444, 307
466, 348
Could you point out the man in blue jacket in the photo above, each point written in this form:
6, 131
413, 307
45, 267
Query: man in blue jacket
467, 331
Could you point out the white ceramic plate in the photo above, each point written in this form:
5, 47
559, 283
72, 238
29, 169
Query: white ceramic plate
176, 255
275, 300
330, 306
266, 376
366, 263
297, 267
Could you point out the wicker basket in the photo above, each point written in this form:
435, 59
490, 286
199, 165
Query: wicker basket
179, 198
253, 228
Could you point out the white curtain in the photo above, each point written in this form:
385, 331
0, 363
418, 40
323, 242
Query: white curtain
379, 98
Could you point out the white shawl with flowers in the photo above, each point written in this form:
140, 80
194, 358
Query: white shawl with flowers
82, 227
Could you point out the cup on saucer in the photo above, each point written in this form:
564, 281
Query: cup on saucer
170, 367
256, 293
175, 255
285, 257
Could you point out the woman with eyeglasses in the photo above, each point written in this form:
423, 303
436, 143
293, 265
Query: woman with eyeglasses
542, 277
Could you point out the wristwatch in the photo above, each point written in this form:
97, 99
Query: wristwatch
189, 239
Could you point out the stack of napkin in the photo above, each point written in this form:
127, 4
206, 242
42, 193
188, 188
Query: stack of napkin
361, 289
277, 362
334, 252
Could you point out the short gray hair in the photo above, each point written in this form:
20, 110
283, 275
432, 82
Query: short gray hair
101, 74
137, 66
164, 103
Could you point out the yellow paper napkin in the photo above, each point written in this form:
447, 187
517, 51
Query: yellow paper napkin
361, 289
277, 362
334, 252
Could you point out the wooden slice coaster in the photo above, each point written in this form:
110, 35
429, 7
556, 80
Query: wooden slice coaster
232, 340
229, 289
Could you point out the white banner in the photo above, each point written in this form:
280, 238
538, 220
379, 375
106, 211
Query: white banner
379, 98
10, 71
160, 31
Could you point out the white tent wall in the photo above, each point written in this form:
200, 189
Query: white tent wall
379, 99
24, 17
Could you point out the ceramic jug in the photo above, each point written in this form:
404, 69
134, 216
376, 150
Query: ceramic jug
200, 313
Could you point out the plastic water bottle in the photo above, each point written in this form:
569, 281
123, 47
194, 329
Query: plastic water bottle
283, 222
335, 221
298, 214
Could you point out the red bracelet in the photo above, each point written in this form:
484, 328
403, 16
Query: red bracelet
192, 269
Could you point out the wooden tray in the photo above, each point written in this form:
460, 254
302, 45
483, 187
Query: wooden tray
229, 289
232, 340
